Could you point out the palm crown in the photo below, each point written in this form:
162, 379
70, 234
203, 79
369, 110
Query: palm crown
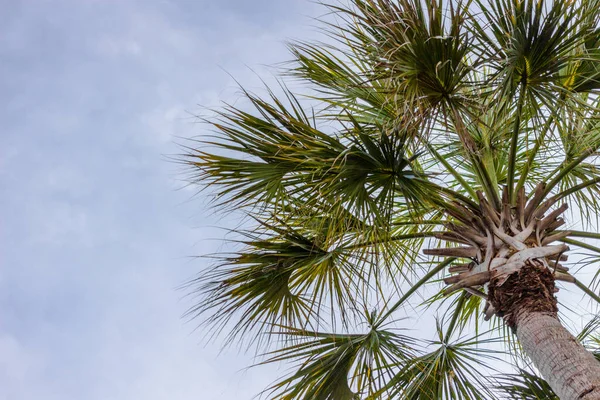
443, 141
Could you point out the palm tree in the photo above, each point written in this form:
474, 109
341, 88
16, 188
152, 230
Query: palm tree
429, 168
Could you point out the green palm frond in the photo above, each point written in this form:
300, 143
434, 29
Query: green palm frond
590, 328
298, 270
420, 47
339, 366
344, 83
590, 336
279, 278
428, 128
466, 309
453, 370
524, 386
528, 42
262, 152
582, 74
281, 155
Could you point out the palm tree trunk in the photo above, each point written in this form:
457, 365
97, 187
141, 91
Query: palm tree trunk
527, 303
570, 370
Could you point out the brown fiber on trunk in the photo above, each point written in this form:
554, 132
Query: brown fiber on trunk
530, 289
527, 304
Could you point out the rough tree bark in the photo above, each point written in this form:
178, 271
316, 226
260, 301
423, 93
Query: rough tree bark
527, 303
570, 370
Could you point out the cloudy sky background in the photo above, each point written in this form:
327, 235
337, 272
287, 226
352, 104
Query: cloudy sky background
95, 229
95, 226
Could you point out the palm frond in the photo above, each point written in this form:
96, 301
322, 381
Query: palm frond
447, 123
280, 154
453, 370
339, 366
524, 386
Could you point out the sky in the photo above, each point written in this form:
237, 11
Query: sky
96, 228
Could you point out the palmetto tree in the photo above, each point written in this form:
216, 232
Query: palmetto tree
440, 147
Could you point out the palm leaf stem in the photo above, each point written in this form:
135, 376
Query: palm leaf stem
584, 234
583, 245
577, 188
452, 171
587, 291
414, 288
479, 168
538, 143
565, 169
455, 316
452, 193
512, 157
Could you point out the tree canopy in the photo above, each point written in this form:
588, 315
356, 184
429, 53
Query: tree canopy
428, 133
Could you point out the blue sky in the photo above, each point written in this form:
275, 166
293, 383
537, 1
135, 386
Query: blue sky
95, 229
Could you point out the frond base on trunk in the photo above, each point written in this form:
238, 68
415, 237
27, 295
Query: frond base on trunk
530, 289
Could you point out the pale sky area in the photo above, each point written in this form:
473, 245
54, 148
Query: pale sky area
96, 229
94, 233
